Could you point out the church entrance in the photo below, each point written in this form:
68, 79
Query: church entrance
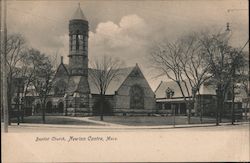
49, 107
60, 107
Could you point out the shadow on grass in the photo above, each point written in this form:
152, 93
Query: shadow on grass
53, 120
154, 121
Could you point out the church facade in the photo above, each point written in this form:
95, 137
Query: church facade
74, 92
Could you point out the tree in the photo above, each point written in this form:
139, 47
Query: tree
224, 62
194, 66
104, 71
182, 62
26, 71
14, 49
41, 75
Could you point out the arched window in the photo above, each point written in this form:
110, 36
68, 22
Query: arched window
71, 42
77, 42
229, 95
60, 107
49, 107
136, 97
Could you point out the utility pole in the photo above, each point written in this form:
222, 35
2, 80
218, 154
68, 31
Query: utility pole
233, 87
4, 70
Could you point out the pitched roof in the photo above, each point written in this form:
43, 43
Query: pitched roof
78, 15
160, 92
114, 84
62, 70
76, 81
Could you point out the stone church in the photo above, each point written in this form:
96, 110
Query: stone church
74, 91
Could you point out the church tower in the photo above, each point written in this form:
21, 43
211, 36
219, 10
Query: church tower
78, 44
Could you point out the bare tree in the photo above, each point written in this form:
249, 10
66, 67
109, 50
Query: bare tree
104, 71
166, 58
224, 61
183, 62
26, 71
194, 66
42, 77
14, 48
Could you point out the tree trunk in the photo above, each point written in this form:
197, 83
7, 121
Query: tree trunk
189, 112
101, 107
43, 112
195, 106
186, 103
218, 93
232, 111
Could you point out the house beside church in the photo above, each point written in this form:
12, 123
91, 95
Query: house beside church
169, 100
74, 91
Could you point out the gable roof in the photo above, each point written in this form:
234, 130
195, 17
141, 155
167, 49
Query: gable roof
75, 83
61, 70
160, 92
114, 84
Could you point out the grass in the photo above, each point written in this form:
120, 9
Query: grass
153, 121
53, 120
122, 120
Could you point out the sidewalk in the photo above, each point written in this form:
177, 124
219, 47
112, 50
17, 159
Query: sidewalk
114, 126
87, 119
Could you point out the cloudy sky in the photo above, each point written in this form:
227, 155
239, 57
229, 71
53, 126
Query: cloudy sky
125, 29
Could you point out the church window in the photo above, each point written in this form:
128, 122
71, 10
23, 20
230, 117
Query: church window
81, 39
136, 97
77, 42
229, 95
71, 42
85, 43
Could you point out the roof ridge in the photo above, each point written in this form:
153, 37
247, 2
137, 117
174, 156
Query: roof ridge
130, 67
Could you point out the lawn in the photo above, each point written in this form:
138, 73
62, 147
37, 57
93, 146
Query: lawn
53, 120
153, 121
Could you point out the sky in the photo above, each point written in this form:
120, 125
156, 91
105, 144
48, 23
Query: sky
125, 29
